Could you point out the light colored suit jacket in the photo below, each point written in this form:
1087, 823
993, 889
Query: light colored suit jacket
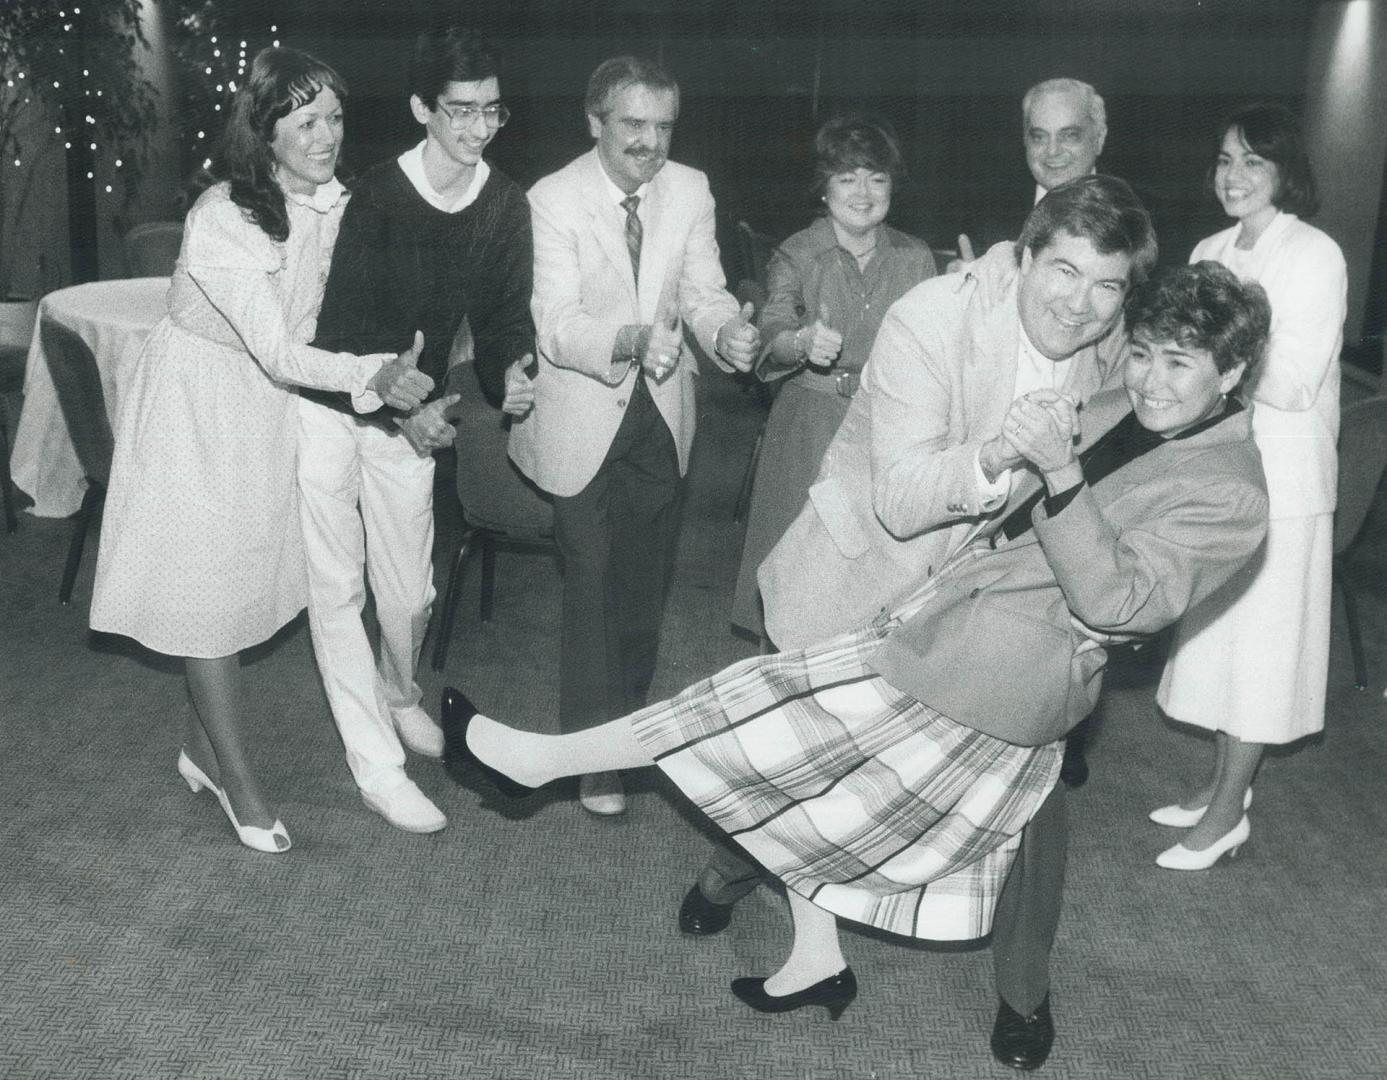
897, 491
989, 642
585, 292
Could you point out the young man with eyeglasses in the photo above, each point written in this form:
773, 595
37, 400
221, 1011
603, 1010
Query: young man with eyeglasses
428, 239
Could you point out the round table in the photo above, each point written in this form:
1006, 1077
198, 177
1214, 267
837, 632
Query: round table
113, 318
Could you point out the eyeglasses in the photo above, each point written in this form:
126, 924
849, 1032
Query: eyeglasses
464, 116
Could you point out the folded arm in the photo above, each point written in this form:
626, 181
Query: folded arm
1139, 579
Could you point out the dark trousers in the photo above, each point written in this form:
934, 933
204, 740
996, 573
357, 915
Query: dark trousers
617, 540
1028, 911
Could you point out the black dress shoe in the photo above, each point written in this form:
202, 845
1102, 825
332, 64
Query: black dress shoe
1023, 1042
700, 917
834, 993
457, 714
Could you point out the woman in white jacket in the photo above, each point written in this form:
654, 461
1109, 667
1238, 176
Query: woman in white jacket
1251, 663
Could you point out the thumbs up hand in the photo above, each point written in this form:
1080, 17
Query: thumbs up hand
666, 338
737, 340
965, 259
520, 388
819, 342
399, 382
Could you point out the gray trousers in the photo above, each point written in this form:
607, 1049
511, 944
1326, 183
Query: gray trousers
1028, 911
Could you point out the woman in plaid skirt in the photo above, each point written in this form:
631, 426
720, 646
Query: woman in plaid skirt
827, 764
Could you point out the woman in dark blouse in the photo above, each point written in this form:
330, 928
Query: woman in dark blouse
829, 286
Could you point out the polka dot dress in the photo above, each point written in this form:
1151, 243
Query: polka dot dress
200, 547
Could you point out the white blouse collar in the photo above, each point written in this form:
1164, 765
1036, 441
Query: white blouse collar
323, 199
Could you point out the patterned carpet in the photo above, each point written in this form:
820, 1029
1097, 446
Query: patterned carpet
140, 941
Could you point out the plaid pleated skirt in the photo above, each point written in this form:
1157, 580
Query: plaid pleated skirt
860, 798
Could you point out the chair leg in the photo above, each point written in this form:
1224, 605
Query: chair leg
6, 481
450, 599
488, 599
748, 478
90, 501
1355, 632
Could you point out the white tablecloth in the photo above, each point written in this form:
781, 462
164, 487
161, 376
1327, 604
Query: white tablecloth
113, 318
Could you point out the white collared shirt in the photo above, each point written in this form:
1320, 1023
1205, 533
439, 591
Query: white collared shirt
412, 165
322, 199
618, 196
1034, 371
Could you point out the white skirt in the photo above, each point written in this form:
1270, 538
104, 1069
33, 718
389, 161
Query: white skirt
1253, 659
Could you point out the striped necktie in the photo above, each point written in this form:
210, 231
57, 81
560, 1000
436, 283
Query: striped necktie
634, 233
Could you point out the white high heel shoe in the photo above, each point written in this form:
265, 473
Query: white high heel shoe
1182, 858
251, 835
1177, 817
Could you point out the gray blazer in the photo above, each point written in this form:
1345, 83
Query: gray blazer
989, 641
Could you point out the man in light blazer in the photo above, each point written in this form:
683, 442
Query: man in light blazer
920, 466
626, 272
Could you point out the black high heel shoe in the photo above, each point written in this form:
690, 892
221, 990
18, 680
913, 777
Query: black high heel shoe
834, 993
457, 713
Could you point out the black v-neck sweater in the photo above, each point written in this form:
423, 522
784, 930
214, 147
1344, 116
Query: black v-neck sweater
402, 265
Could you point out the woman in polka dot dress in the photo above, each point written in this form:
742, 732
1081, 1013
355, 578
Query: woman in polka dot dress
200, 551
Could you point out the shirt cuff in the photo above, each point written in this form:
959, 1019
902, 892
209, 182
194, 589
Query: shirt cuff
1057, 502
368, 401
991, 493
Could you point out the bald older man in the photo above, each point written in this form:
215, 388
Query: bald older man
1064, 124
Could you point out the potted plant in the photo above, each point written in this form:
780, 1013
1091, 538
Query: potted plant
70, 78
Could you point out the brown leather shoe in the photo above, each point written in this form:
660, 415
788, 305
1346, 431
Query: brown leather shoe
1023, 1042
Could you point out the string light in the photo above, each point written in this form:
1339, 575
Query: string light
69, 84
216, 51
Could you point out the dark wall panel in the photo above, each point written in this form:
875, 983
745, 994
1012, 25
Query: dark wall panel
758, 77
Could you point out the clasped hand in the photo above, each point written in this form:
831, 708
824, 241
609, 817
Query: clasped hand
1042, 427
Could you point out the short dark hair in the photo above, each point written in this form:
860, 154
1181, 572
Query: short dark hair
855, 141
1273, 132
451, 54
281, 80
1103, 210
1203, 306
616, 74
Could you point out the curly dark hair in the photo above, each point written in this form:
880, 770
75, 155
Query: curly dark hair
281, 80
856, 141
1203, 306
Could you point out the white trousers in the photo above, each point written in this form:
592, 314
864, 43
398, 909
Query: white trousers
366, 506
